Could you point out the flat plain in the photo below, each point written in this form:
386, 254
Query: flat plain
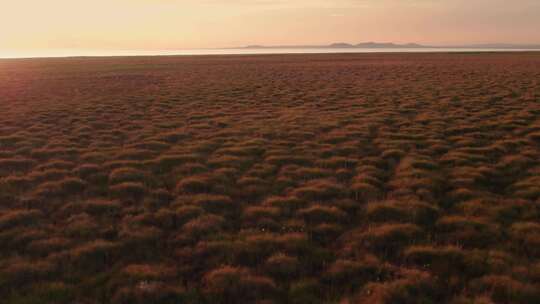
337, 178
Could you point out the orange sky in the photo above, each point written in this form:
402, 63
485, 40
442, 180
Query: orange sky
175, 24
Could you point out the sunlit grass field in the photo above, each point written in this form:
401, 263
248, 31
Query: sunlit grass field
337, 178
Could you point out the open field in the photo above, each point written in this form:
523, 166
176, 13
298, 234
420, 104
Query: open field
371, 178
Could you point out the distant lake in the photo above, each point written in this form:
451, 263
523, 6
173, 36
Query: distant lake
240, 51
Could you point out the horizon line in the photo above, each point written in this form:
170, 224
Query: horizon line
339, 47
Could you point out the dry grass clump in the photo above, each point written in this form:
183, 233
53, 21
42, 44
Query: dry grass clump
306, 290
335, 178
264, 171
393, 154
23, 217
149, 292
282, 160
366, 192
285, 203
14, 241
101, 207
47, 292
524, 228
319, 190
212, 253
168, 162
337, 162
467, 231
412, 286
388, 238
11, 140
232, 284
527, 188
535, 137
186, 213
470, 177
191, 168
57, 153
135, 155
139, 240
345, 276
459, 158
132, 190
11, 165
204, 225
504, 289
256, 213
87, 170
461, 194
194, 184
165, 219
15, 184
94, 255
224, 177
514, 164
294, 243
57, 164
304, 173
418, 212
80, 226
325, 233
443, 261
153, 145
371, 167
255, 247
491, 209
228, 161
366, 178
416, 183
247, 149
321, 214
16, 272
44, 247
173, 136
64, 187
282, 266
148, 272
214, 203
123, 175
116, 164
161, 197
248, 181
48, 175
94, 157
526, 236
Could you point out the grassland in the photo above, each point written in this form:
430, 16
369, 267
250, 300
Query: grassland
383, 178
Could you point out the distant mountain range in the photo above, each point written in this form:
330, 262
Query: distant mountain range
390, 45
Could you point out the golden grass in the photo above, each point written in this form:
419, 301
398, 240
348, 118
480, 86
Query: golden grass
374, 178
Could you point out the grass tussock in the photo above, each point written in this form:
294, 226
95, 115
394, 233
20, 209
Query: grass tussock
402, 211
132, 190
317, 178
322, 189
228, 283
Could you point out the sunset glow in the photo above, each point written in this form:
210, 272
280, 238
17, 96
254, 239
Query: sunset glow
37, 26
269, 151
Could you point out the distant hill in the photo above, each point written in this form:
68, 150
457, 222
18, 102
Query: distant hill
390, 45
500, 46
339, 45
367, 45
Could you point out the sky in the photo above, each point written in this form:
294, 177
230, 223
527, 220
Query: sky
182, 24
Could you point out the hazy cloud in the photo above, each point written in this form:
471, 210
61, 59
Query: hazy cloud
215, 23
